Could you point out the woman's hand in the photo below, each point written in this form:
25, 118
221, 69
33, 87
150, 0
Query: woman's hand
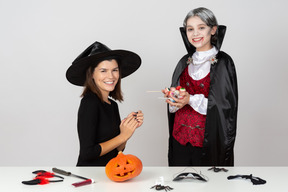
139, 117
128, 126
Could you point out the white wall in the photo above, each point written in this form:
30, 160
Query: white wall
40, 39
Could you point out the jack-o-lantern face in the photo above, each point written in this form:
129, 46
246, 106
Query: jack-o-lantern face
123, 167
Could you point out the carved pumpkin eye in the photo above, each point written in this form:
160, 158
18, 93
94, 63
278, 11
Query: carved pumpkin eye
123, 167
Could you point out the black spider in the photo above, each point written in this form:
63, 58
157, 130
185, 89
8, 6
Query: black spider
161, 187
215, 169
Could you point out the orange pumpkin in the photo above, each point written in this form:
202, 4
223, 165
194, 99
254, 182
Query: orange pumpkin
123, 167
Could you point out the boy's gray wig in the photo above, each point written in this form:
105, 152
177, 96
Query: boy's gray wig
205, 15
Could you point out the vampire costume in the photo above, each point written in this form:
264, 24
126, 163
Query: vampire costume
219, 127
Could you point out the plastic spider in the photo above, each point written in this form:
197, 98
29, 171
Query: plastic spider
215, 169
161, 187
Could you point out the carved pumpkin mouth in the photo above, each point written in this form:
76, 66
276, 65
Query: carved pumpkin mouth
125, 174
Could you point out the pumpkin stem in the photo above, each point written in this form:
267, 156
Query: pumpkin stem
119, 152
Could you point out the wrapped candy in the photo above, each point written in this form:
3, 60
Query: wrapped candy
171, 92
182, 89
175, 92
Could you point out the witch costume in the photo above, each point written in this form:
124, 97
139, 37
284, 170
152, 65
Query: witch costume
98, 121
205, 139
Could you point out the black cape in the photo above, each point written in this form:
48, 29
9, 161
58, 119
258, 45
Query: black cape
221, 120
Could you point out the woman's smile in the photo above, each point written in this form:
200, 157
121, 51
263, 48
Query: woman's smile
109, 82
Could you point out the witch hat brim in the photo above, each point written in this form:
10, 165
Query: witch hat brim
129, 62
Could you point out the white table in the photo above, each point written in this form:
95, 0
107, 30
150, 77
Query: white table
276, 177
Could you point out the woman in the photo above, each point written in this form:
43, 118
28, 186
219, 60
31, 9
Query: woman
202, 124
101, 132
